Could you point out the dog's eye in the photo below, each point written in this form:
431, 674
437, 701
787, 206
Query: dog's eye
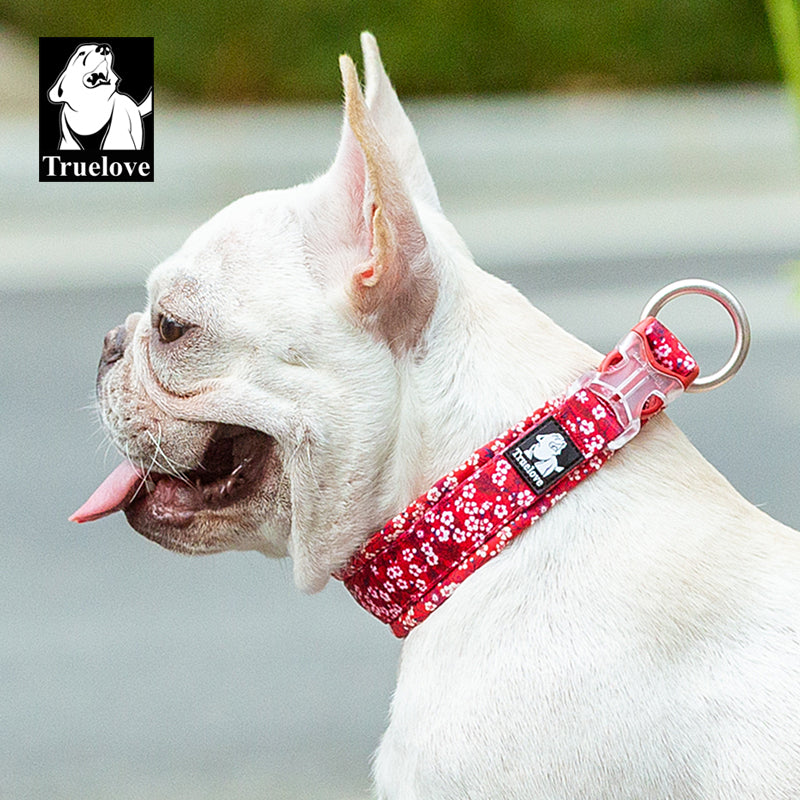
169, 329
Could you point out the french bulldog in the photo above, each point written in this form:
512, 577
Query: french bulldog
312, 359
92, 106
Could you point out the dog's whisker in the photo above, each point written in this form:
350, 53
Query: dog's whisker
144, 480
105, 445
101, 433
168, 466
155, 465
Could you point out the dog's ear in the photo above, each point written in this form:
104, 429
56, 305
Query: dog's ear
394, 125
393, 290
57, 90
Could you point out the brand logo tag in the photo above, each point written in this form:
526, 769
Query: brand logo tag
544, 456
96, 108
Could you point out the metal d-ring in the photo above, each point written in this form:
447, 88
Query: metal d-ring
730, 304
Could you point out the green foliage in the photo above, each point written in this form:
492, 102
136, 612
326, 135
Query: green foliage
784, 18
245, 50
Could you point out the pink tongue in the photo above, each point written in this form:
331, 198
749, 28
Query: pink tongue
113, 494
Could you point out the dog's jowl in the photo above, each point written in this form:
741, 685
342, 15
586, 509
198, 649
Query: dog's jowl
96, 109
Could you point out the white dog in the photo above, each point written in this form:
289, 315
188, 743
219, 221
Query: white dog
92, 106
313, 359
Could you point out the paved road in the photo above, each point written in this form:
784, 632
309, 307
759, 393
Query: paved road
127, 672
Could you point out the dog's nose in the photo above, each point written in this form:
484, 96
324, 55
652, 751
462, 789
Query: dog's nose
103, 49
113, 349
115, 344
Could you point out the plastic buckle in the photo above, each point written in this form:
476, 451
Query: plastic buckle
633, 383
636, 384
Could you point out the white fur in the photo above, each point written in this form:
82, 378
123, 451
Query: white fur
641, 641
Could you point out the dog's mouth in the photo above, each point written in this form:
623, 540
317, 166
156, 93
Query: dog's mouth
99, 76
236, 464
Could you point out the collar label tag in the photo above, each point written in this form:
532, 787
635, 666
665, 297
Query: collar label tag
544, 456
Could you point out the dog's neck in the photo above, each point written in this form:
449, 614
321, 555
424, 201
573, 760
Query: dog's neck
412, 565
89, 118
489, 359
485, 360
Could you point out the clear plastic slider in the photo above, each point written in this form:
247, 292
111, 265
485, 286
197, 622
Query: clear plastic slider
645, 372
633, 384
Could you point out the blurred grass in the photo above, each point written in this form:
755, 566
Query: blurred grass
784, 16
252, 50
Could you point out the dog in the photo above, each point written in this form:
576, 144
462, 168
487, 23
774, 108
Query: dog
314, 358
92, 108
546, 451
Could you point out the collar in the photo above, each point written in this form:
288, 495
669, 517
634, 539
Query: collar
417, 560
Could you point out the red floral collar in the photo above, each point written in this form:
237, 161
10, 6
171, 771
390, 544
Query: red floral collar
416, 561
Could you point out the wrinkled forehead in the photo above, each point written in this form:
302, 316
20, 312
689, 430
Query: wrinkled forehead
255, 245
178, 290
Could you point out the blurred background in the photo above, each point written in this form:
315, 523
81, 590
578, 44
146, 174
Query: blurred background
589, 153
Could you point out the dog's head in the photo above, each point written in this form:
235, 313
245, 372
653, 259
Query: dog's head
87, 80
548, 446
256, 398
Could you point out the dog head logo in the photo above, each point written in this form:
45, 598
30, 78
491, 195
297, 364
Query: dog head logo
544, 453
94, 115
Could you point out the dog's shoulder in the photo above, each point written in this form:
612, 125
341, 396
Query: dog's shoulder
125, 104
